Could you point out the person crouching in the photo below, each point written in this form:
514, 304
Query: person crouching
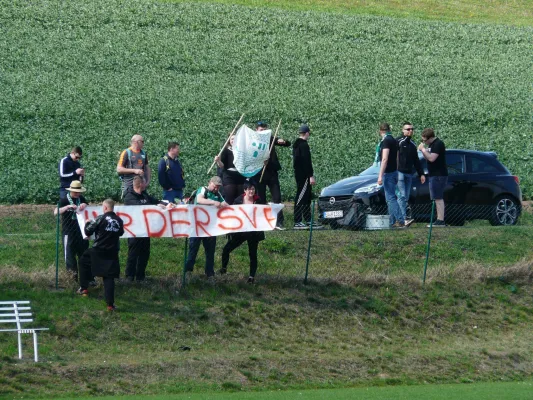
253, 238
102, 258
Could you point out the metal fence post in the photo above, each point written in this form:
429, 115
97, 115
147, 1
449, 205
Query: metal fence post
310, 240
184, 275
57, 248
429, 241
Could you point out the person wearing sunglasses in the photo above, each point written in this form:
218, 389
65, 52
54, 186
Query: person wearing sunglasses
70, 170
408, 162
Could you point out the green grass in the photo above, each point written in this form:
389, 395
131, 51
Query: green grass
499, 391
363, 319
495, 11
93, 73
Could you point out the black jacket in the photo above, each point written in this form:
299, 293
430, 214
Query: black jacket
273, 161
408, 160
301, 159
132, 198
107, 229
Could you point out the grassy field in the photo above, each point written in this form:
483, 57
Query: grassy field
496, 391
93, 73
517, 12
469, 323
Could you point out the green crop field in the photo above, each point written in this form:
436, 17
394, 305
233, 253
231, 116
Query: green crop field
94, 73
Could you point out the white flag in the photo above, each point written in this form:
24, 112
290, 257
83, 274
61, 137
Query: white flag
250, 150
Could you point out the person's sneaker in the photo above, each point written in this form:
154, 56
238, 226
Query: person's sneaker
129, 279
93, 283
73, 275
408, 222
316, 225
211, 280
222, 271
82, 292
279, 228
300, 226
111, 308
250, 280
397, 225
438, 223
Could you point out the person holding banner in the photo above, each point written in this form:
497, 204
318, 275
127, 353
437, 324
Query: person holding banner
102, 258
304, 174
73, 242
138, 248
232, 180
208, 196
270, 176
253, 238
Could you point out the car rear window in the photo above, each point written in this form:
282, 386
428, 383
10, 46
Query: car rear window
479, 165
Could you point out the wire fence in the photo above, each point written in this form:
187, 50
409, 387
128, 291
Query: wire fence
348, 240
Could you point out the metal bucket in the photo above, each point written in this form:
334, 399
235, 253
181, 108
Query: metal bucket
377, 222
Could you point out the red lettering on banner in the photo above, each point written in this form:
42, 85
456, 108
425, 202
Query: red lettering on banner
121, 215
178, 221
254, 214
267, 211
200, 224
162, 230
229, 217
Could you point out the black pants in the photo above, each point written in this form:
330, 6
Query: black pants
231, 192
271, 180
138, 255
302, 202
234, 242
86, 275
74, 247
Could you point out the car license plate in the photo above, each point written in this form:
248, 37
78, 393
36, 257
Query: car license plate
333, 214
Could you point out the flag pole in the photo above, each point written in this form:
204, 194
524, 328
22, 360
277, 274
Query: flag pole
270, 151
227, 141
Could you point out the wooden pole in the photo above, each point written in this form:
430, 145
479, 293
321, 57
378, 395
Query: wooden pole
225, 144
269, 152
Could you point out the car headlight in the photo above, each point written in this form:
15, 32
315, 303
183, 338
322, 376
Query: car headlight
370, 189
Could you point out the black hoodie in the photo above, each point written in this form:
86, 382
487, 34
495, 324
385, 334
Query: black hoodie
301, 159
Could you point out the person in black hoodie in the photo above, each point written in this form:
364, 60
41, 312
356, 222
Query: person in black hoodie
304, 174
236, 239
232, 180
70, 170
408, 162
102, 258
138, 248
271, 177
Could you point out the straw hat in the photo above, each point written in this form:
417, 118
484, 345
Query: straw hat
75, 186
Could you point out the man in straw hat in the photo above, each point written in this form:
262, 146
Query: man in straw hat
133, 161
73, 243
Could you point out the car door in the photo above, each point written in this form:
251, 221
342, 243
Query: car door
484, 175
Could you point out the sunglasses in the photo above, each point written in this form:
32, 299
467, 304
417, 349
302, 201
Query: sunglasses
409, 129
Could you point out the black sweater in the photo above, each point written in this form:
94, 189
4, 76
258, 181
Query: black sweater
301, 159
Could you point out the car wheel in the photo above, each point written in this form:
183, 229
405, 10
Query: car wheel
505, 211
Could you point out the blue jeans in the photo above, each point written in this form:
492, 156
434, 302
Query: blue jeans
171, 195
390, 181
210, 243
405, 181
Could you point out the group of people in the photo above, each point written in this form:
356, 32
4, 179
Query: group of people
399, 159
135, 174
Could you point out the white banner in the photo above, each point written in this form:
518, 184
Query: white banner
250, 150
189, 220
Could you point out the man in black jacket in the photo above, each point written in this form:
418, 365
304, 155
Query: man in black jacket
138, 248
270, 177
304, 174
70, 170
102, 258
408, 162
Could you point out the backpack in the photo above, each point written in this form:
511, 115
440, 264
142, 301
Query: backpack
130, 165
192, 198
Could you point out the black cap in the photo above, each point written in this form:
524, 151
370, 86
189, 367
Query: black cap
262, 124
303, 128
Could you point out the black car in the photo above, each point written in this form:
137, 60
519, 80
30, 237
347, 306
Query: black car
479, 187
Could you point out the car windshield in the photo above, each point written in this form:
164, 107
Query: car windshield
373, 170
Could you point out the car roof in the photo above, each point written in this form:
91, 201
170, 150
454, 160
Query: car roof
473, 152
